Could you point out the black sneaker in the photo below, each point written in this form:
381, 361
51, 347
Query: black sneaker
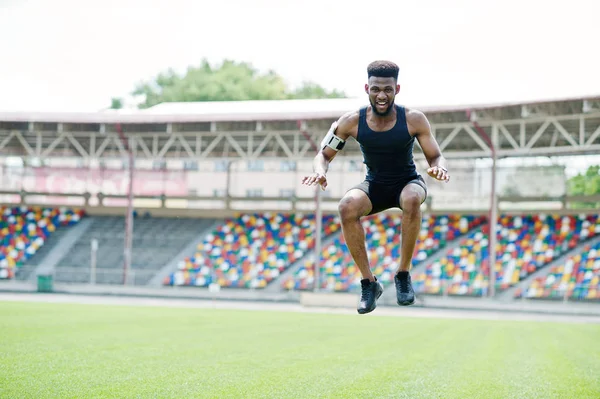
370, 293
404, 290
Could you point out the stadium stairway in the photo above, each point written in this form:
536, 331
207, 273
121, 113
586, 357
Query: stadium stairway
188, 250
156, 242
275, 285
508, 294
58, 245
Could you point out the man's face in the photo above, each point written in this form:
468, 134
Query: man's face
382, 92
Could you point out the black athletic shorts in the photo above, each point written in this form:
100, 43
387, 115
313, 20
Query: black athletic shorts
387, 195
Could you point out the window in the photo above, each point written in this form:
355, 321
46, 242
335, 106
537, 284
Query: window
159, 164
219, 192
287, 166
190, 165
256, 166
221, 165
254, 192
287, 193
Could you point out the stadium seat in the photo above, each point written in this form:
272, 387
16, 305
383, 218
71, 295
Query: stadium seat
578, 278
525, 243
23, 230
383, 233
251, 250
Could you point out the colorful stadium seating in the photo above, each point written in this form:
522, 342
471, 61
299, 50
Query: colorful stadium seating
524, 244
383, 232
23, 230
578, 278
250, 250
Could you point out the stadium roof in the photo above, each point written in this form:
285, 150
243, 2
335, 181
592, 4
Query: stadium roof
232, 111
252, 129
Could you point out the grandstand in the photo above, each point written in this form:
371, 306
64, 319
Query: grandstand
218, 200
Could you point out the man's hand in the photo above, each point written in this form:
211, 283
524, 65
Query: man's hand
419, 124
439, 173
314, 179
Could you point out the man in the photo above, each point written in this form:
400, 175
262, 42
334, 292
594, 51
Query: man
386, 134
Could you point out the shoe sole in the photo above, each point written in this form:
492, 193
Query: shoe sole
370, 310
406, 303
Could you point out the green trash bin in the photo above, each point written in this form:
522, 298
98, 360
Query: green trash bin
44, 283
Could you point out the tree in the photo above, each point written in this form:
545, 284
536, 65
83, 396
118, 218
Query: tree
586, 184
313, 90
230, 81
116, 103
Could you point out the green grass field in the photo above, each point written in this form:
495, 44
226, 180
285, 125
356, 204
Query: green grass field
93, 351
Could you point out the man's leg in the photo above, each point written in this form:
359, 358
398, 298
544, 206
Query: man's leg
411, 198
352, 207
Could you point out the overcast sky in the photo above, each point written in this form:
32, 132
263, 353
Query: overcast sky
72, 55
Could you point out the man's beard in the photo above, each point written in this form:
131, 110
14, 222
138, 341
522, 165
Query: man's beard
384, 113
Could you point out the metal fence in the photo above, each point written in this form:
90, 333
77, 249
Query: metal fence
271, 184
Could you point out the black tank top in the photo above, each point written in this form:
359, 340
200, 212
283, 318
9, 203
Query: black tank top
389, 154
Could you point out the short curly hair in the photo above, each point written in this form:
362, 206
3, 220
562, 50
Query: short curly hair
383, 69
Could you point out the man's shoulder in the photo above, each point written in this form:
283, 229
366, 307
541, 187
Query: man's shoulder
348, 122
351, 117
415, 117
414, 114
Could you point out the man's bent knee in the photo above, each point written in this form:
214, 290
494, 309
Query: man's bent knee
412, 198
348, 208
354, 205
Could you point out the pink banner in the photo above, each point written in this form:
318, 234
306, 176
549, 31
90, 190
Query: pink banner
106, 181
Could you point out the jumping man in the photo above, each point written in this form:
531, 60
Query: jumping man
386, 133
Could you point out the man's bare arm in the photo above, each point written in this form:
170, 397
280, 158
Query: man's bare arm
345, 129
437, 163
